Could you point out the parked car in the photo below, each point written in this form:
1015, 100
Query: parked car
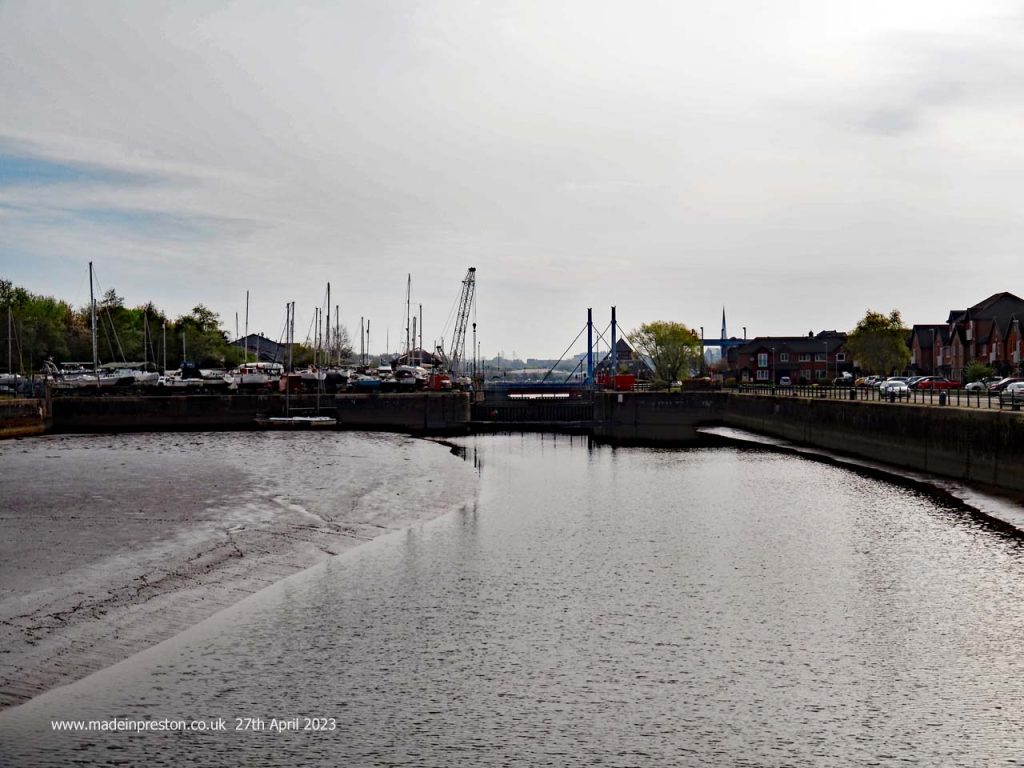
912, 381
843, 380
935, 382
981, 385
785, 381
1000, 385
1014, 393
897, 384
884, 384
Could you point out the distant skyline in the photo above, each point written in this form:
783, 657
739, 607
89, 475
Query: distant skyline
795, 162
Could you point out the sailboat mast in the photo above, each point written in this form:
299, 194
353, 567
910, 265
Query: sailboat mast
291, 345
327, 329
337, 331
10, 358
408, 294
288, 339
95, 350
246, 344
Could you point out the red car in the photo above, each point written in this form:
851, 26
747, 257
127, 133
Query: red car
936, 382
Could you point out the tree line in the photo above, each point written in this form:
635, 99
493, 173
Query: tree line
37, 328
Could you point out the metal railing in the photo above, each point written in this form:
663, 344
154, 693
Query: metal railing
957, 398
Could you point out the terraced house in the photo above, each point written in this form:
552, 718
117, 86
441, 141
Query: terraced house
802, 359
988, 332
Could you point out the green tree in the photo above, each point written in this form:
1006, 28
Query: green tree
673, 349
205, 343
976, 370
879, 343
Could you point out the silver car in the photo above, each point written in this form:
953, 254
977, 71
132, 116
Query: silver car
1014, 393
896, 384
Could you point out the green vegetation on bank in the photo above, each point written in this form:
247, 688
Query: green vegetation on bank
44, 328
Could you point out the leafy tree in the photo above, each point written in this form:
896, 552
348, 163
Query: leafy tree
205, 343
111, 300
879, 342
673, 349
976, 370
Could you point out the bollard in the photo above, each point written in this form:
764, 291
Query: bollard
892, 395
942, 398
853, 393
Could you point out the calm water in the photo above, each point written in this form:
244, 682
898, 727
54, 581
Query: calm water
605, 607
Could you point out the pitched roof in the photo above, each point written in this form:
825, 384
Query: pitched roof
924, 333
796, 344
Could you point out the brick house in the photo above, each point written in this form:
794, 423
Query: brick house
926, 346
989, 333
812, 358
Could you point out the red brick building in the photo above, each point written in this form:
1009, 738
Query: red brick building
808, 359
988, 332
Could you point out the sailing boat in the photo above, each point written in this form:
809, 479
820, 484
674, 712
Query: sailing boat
290, 421
82, 378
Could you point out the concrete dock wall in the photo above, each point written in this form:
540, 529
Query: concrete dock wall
980, 446
23, 416
655, 417
432, 412
412, 412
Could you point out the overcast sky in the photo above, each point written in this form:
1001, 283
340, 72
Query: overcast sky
796, 162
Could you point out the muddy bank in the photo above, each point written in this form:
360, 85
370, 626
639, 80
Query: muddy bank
115, 542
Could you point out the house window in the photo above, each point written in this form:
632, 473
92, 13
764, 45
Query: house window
840, 357
762, 374
805, 374
784, 357
805, 358
819, 373
819, 356
762, 361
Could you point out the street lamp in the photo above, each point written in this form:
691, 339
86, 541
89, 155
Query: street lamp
702, 350
772, 366
933, 354
825, 345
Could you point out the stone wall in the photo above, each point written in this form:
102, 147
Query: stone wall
411, 412
981, 446
656, 417
22, 416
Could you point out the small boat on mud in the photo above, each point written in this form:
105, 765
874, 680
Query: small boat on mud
296, 422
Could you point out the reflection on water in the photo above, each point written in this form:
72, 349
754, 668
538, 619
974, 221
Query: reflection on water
603, 606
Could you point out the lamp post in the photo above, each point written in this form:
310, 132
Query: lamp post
771, 367
825, 345
933, 354
702, 350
